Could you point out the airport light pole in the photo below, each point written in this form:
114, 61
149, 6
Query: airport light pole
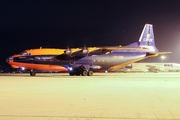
162, 58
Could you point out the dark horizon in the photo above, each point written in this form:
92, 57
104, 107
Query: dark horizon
32, 24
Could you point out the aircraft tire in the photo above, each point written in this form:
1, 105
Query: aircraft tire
84, 73
90, 73
78, 74
71, 73
33, 73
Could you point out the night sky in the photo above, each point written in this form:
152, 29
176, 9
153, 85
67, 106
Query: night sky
26, 24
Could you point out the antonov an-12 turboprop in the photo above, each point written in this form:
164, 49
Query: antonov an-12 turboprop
83, 61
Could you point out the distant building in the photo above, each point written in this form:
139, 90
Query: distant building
151, 67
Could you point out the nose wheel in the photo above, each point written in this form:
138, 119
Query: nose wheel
32, 73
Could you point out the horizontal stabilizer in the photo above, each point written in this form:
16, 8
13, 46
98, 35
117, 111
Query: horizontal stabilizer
159, 53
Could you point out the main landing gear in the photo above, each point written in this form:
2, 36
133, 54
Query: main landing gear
81, 71
32, 73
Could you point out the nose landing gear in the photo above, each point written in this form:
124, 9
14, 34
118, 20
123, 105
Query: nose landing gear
32, 73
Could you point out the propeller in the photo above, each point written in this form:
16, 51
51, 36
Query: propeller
85, 50
68, 51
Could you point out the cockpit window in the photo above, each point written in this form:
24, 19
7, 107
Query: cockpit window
25, 53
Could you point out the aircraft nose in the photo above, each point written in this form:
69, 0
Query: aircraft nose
8, 59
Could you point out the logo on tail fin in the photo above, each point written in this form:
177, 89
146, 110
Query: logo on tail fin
148, 35
148, 39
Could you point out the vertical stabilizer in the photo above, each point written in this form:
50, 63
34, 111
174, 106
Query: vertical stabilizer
146, 39
147, 36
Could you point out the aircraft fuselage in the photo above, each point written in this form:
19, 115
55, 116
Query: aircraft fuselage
98, 59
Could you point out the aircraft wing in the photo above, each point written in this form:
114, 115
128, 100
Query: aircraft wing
114, 68
150, 54
110, 48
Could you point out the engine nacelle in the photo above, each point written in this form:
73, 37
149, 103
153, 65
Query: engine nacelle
84, 51
68, 51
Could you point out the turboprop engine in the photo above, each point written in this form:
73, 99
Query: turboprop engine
84, 50
67, 51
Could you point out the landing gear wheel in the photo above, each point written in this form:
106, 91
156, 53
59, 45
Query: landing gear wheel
90, 73
84, 73
78, 73
71, 73
32, 73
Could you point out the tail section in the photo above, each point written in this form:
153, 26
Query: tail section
147, 36
146, 39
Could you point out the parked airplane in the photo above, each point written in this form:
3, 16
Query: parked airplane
83, 61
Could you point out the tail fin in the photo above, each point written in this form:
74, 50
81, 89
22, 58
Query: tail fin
146, 39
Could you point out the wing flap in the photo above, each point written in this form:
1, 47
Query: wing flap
114, 68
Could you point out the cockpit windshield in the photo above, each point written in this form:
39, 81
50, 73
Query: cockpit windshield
24, 53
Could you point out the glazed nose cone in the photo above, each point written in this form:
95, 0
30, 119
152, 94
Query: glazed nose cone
8, 59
